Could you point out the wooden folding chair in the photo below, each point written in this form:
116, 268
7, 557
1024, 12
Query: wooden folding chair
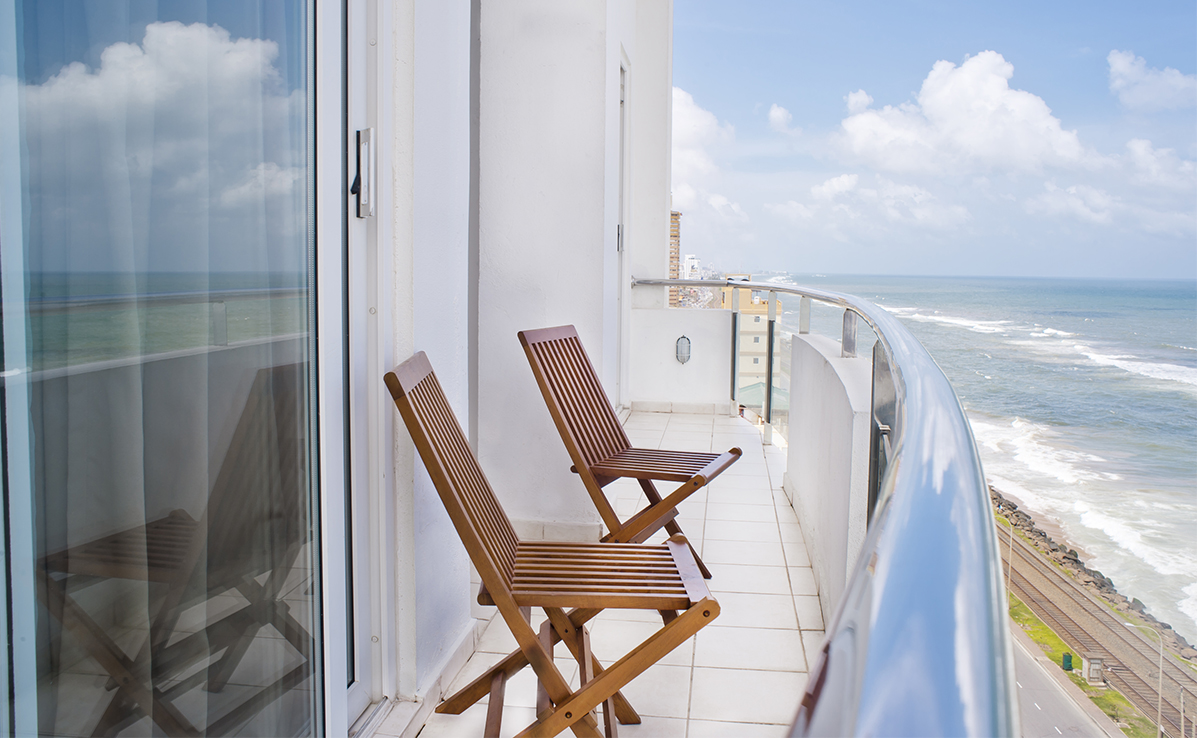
254, 525
600, 449
517, 576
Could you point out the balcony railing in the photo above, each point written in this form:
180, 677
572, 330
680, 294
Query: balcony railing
919, 643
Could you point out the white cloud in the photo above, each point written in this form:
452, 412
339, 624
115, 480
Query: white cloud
1159, 166
265, 180
1140, 87
695, 130
840, 201
726, 208
790, 210
160, 149
697, 134
1079, 201
858, 101
965, 118
780, 120
834, 186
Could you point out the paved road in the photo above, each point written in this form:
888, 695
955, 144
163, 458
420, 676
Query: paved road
1047, 712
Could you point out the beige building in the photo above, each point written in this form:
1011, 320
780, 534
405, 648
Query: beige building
754, 338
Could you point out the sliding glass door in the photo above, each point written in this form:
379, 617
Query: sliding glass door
161, 435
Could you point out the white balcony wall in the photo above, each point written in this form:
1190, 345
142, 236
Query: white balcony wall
549, 206
827, 464
422, 112
440, 228
660, 383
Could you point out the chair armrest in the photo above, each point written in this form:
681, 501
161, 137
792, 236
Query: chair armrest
716, 467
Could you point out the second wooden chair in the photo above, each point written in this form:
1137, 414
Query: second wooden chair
600, 449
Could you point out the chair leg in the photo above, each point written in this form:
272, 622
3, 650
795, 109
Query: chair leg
572, 635
623, 671
650, 491
104, 650
460, 701
543, 703
494, 710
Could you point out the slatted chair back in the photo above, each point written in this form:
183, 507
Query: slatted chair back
576, 400
475, 511
255, 519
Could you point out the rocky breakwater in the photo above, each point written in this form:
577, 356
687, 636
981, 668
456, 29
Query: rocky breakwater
1092, 580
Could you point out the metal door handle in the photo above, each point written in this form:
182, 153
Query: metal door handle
364, 183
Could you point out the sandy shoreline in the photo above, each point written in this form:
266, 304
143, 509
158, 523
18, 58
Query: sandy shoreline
1046, 523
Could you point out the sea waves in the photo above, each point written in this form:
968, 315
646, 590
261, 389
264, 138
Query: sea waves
1134, 365
1058, 342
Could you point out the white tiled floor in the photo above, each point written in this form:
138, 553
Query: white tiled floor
744, 674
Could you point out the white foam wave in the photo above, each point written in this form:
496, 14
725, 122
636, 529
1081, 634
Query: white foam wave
1126, 537
1189, 604
1050, 332
1029, 444
1129, 363
1177, 345
972, 324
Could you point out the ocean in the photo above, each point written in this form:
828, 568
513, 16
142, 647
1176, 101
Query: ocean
1082, 395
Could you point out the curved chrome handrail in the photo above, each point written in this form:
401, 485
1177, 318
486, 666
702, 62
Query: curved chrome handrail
919, 643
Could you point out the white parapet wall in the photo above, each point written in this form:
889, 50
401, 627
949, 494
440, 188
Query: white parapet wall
660, 383
827, 468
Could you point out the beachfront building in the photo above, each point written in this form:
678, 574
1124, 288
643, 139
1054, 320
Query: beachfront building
221, 224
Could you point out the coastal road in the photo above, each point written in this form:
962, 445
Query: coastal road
1087, 625
1047, 711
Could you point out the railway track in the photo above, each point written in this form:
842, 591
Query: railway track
1089, 627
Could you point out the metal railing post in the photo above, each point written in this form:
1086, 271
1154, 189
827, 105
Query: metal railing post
735, 351
848, 341
771, 327
804, 315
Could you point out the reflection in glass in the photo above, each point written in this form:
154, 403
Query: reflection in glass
164, 245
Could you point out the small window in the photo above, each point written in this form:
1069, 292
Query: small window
756, 339
756, 360
756, 319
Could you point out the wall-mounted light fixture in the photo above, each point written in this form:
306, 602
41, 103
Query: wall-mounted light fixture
683, 349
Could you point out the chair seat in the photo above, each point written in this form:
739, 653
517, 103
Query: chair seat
648, 463
153, 552
607, 575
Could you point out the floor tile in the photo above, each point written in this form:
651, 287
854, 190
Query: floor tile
761, 495
739, 530
717, 729
663, 690
613, 640
812, 643
795, 554
742, 695
654, 727
763, 553
748, 513
749, 648
497, 638
748, 579
741, 610
473, 721
802, 580
810, 615
791, 533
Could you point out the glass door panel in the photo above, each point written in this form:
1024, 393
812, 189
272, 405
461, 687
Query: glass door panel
156, 246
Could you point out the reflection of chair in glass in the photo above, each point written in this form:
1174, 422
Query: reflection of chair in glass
519, 575
247, 541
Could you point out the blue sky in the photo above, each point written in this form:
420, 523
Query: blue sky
1036, 139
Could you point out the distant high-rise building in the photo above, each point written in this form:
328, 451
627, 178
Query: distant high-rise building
675, 251
690, 268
